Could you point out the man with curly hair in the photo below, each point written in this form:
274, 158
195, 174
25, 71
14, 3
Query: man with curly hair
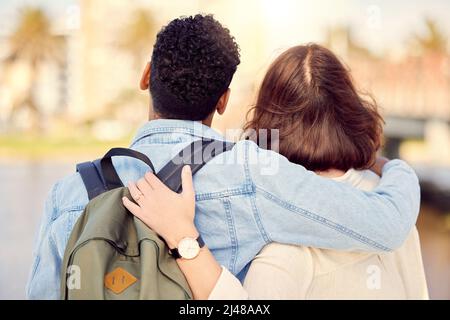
193, 63
241, 206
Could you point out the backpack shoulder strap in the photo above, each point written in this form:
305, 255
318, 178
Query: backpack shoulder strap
100, 175
109, 173
196, 155
91, 178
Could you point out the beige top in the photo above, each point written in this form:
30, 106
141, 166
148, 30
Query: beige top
295, 272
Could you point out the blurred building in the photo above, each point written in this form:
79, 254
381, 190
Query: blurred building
413, 92
101, 72
98, 81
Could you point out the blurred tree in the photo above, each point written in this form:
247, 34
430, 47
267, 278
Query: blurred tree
137, 40
434, 61
340, 40
137, 37
433, 41
34, 43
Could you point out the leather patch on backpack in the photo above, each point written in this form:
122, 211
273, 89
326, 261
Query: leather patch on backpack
119, 280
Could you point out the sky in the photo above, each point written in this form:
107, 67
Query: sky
377, 24
399, 19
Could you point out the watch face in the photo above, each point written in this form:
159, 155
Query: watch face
188, 248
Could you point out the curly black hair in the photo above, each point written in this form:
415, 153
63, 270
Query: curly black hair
193, 62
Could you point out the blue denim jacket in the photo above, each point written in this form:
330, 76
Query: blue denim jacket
246, 198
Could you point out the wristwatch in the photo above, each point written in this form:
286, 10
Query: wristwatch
188, 248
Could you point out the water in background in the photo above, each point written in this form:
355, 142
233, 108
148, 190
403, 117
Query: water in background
23, 191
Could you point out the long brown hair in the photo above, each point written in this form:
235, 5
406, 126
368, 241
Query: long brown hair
309, 96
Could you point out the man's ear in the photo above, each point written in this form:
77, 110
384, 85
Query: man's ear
223, 102
145, 79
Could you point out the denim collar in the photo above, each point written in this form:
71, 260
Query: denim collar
193, 128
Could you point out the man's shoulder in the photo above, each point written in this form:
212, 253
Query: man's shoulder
236, 171
251, 146
248, 152
69, 194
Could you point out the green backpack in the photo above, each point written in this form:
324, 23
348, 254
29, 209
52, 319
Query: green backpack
112, 255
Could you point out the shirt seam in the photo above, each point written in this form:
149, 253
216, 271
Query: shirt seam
70, 209
189, 131
258, 220
233, 235
248, 179
319, 219
245, 189
54, 201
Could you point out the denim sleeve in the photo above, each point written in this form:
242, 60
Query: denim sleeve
296, 206
43, 283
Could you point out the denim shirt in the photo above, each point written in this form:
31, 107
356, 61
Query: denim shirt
245, 198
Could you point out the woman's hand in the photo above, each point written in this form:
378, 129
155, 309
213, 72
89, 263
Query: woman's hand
169, 214
378, 165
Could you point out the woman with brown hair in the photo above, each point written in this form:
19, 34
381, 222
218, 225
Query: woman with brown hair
325, 125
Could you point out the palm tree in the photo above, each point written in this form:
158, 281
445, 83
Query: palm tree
136, 39
434, 41
433, 58
340, 39
34, 43
138, 36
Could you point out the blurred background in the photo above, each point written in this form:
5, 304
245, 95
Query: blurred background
69, 74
